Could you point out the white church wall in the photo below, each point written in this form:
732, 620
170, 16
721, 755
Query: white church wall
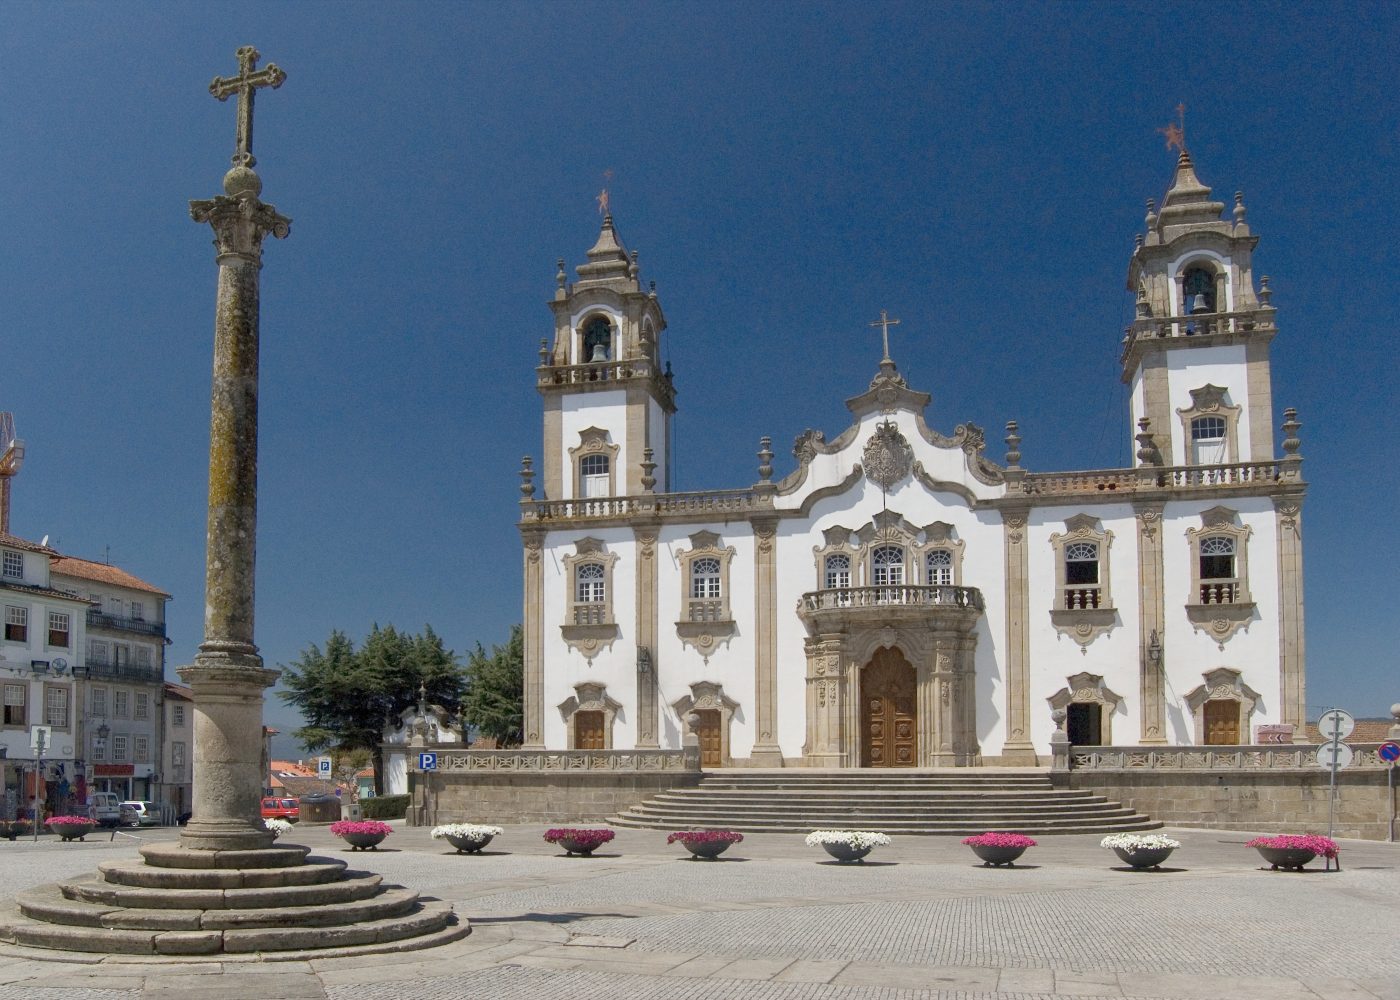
607, 410
1221, 366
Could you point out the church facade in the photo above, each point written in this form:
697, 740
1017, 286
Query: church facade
901, 599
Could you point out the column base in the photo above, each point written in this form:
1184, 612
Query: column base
223, 835
766, 755
1019, 756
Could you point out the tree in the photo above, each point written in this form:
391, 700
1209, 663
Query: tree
494, 701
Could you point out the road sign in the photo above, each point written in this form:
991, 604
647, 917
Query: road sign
323, 767
427, 762
1336, 724
1331, 755
1389, 752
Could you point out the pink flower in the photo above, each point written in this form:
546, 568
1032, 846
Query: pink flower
583, 838
999, 840
74, 820
1325, 846
341, 827
705, 837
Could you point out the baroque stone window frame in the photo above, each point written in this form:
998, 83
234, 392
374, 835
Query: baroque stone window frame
706, 695
938, 537
1085, 688
594, 441
1222, 684
589, 637
1083, 625
590, 696
703, 627
887, 529
1209, 401
1220, 620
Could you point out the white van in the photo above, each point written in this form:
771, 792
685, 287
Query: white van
105, 807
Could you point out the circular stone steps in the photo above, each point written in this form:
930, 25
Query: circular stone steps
268, 905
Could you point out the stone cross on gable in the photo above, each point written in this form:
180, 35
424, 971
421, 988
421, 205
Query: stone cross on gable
244, 85
884, 322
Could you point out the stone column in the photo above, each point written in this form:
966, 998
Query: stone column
826, 743
766, 752
1018, 749
533, 629
647, 667
1293, 680
227, 676
943, 698
1152, 674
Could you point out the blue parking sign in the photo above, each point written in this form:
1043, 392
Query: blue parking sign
1389, 752
427, 762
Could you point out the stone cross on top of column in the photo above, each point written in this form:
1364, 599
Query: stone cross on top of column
244, 85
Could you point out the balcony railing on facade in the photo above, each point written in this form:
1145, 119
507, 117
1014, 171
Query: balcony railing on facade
905, 595
1251, 321
97, 619
602, 372
1082, 598
143, 672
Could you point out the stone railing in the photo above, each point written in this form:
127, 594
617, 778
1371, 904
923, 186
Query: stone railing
1100, 481
1263, 757
1235, 474
1171, 477
1198, 325
532, 761
840, 598
660, 504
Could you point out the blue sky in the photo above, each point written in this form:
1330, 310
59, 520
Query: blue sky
785, 170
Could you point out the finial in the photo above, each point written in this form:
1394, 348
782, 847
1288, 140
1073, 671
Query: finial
1151, 221
648, 468
423, 698
560, 276
1137, 242
1176, 133
544, 352
651, 285
1148, 453
1239, 206
1291, 426
1013, 445
1265, 292
527, 478
633, 267
1144, 308
765, 458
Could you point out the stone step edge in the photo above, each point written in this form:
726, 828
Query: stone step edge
917, 831
356, 885
139, 875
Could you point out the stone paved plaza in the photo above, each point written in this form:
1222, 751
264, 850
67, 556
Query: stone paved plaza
774, 920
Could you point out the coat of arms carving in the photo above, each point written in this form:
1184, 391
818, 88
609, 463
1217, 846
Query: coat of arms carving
888, 457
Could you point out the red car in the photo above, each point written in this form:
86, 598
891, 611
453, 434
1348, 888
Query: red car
287, 809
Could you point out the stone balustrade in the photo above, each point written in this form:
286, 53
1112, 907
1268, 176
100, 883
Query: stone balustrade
548, 761
1260, 757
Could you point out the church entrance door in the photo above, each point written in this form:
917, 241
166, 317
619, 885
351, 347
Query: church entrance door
588, 731
1222, 719
1084, 724
711, 754
888, 717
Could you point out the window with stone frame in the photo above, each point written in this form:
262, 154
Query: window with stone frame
97, 701
143, 656
706, 616
97, 653
16, 624
887, 572
595, 465
138, 611
1208, 441
99, 749
13, 565
56, 706
16, 705
141, 749
177, 755
705, 589
590, 625
593, 473
938, 568
119, 749
1219, 584
121, 703
59, 624
1081, 589
177, 715
590, 593
1210, 427
143, 706
1220, 602
1083, 603
837, 574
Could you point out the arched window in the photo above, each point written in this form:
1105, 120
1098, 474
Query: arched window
939, 565
593, 470
1208, 441
704, 579
590, 584
1198, 287
887, 566
1219, 584
1082, 575
838, 572
597, 340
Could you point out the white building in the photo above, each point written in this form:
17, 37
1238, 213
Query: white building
177, 750
900, 599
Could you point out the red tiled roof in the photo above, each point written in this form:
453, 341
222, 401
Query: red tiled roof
26, 588
85, 569
1366, 731
179, 691
15, 542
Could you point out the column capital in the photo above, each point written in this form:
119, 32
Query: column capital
240, 223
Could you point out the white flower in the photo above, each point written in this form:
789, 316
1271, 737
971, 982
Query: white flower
468, 831
856, 839
1138, 841
277, 827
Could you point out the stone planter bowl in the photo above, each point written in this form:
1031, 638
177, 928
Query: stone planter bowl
583, 847
1144, 857
470, 845
71, 831
706, 849
1291, 858
363, 841
993, 857
845, 853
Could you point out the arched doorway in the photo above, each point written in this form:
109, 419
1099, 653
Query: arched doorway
888, 717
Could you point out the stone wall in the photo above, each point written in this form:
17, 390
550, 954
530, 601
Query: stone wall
1264, 801
535, 797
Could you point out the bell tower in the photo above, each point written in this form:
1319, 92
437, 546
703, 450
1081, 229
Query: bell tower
607, 401
1197, 353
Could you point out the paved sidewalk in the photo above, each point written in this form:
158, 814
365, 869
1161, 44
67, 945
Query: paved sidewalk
772, 920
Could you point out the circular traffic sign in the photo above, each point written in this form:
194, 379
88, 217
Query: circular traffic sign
1331, 755
1336, 724
1389, 752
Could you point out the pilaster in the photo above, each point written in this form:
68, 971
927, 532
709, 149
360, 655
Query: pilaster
646, 630
826, 744
766, 752
1156, 397
1018, 748
1260, 394
1152, 624
941, 700
1292, 678
533, 681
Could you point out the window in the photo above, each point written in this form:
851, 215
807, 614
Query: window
705, 616
121, 653
97, 653
16, 624
13, 565
593, 470
138, 611
1082, 575
115, 607
838, 572
590, 626
1219, 603
887, 570
15, 697
143, 656
177, 754
56, 707
58, 629
597, 340
99, 749
177, 715
939, 566
121, 704
1208, 441
1083, 608
98, 699
142, 749
143, 706
119, 749
704, 580
1198, 285
590, 593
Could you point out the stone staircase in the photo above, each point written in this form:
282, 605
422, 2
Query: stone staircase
259, 905
953, 801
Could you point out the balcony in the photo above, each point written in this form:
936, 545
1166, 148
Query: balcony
96, 619
125, 672
1222, 326
937, 606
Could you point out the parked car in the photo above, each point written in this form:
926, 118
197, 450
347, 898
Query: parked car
105, 808
274, 808
140, 812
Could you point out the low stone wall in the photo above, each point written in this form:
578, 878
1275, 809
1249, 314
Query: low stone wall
1269, 800
522, 786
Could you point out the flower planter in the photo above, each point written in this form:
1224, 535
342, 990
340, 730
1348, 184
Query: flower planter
10, 829
582, 847
845, 853
1144, 857
361, 834
71, 831
468, 845
705, 845
993, 857
706, 849
363, 841
580, 842
1290, 858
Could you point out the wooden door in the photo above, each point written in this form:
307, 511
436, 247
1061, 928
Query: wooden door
1222, 719
588, 731
888, 715
1084, 724
711, 750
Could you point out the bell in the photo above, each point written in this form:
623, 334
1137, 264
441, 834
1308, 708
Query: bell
1197, 304
600, 353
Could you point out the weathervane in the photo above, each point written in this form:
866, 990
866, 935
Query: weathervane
603, 208
884, 322
1176, 131
244, 84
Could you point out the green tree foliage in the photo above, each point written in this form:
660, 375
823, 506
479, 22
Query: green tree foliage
494, 701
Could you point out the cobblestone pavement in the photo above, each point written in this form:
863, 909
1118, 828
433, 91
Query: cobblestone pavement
774, 920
